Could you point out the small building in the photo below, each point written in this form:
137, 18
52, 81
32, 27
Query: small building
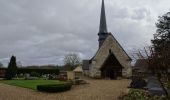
141, 66
78, 71
85, 67
70, 75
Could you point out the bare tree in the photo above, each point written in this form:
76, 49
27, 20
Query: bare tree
71, 60
157, 56
157, 65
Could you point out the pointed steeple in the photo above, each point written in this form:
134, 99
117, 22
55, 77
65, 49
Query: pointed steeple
103, 25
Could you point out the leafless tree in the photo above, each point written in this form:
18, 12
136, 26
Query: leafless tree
157, 65
71, 60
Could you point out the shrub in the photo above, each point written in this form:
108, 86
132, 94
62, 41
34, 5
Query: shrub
54, 87
136, 94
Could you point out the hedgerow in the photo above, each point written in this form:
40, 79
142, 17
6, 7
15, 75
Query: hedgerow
54, 87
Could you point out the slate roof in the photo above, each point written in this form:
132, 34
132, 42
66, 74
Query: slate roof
141, 65
78, 69
103, 25
110, 34
85, 64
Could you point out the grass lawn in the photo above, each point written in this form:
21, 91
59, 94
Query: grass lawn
31, 84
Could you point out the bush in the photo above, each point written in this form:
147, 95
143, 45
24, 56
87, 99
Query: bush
136, 94
54, 87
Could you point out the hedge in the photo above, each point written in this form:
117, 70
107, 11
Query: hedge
54, 87
37, 70
40, 71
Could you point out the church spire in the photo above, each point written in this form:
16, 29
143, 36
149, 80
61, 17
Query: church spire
103, 25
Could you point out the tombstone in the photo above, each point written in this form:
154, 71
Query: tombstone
27, 76
138, 83
154, 87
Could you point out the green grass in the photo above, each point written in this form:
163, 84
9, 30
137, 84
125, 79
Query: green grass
31, 84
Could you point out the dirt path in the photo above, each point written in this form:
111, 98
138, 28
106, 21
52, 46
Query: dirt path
95, 90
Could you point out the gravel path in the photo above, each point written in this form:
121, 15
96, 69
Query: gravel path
95, 90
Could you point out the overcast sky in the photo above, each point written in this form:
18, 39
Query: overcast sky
41, 32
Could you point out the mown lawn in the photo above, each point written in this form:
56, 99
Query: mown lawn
31, 84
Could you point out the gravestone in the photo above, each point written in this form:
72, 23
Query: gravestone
154, 87
27, 75
138, 83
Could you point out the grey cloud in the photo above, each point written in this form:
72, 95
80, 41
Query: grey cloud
42, 32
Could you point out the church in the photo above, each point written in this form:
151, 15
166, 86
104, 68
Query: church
111, 60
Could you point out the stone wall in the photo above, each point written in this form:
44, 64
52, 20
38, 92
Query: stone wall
110, 44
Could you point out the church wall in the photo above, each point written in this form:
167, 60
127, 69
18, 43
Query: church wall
110, 44
86, 72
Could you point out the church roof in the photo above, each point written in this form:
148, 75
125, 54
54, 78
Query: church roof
120, 46
141, 64
112, 44
78, 69
110, 34
103, 25
85, 65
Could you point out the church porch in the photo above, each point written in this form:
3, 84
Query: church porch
111, 69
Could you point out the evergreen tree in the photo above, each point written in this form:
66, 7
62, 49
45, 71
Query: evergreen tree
12, 68
161, 40
160, 56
